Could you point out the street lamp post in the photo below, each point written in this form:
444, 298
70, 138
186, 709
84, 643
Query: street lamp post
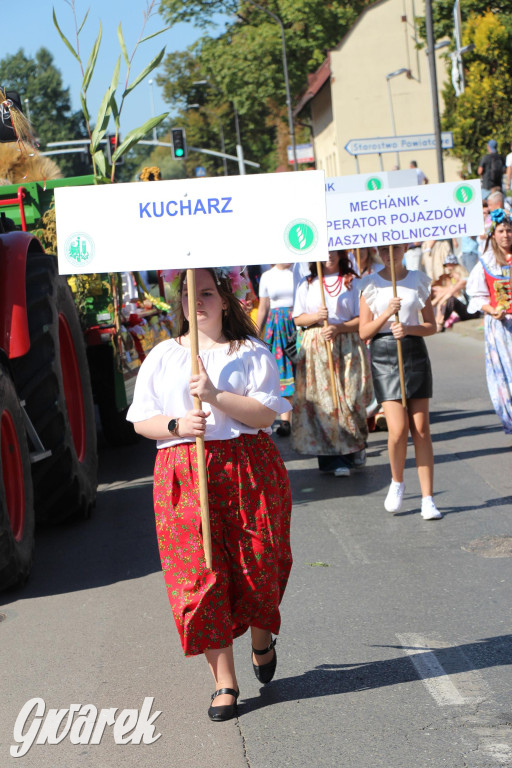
401, 71
429, 25
221, 131
239, 150
291, 127
150, 83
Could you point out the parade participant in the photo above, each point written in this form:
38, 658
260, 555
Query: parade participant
248, 489
335, 432
489, 289
449, 295
370, 262
275, 325
376, 323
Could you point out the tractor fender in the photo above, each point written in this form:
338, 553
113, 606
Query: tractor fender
14, 332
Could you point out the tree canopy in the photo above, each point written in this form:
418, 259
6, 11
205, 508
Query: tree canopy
244, 69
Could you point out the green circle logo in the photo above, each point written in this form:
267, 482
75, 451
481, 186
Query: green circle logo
464, 194
301, 236
79, 249
374, 183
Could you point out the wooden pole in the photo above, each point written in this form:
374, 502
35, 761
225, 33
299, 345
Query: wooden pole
201, 458
398, 341
358, 257
327, 343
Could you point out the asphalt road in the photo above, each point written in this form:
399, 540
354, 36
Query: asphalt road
395, 650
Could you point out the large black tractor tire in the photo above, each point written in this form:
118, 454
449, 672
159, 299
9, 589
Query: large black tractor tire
116, 430
17, 521
53, 379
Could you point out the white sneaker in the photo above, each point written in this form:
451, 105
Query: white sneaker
359, 458
342, 472
394, 498
429, 511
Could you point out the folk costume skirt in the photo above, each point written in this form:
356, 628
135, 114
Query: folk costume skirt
385, 370
250, 507
498, 367
317, 429
278, 330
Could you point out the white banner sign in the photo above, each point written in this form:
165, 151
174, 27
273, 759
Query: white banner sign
427, 212
359, 182
222, 221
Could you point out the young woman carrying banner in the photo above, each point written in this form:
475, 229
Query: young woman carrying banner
335, 432
376, 323
248, 491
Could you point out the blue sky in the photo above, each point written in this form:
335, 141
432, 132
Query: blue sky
29, 25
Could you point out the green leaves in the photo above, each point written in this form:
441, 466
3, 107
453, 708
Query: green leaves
133, 137
109, 107
145, 72
64, 38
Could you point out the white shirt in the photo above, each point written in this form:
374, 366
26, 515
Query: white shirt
476, 286
277, 285
162, 386
341, 308
414, 290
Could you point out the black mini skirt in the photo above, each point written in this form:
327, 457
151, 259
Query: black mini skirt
385, 373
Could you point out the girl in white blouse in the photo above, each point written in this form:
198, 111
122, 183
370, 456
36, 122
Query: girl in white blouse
248, 489
377, 311
334, 432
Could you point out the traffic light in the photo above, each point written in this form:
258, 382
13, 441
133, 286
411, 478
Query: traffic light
179, 143
112, 143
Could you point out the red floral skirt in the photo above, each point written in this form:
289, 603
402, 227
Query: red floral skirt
250, 507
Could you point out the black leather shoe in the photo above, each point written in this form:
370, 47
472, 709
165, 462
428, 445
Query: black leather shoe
266, 672
226, 711
284, 429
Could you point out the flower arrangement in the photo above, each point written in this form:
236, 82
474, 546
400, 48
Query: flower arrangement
234, 276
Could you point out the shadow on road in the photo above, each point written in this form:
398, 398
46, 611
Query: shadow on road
334, 679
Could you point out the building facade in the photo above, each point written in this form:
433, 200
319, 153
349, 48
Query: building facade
352, 96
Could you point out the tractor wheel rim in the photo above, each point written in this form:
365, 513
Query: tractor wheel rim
12, 474
73, 393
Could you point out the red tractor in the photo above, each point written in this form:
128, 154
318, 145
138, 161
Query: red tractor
48, 454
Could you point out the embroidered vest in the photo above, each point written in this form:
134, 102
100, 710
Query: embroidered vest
500, 294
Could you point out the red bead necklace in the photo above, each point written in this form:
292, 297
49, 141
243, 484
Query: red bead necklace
334, 290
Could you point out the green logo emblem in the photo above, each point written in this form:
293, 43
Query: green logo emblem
464, 194
79, 249
301, 236
374, 183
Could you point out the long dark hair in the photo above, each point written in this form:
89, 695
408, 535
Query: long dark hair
344, 268
237, 326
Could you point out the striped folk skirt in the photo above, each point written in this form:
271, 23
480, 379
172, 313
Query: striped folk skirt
317, 427
279, 328
250, 507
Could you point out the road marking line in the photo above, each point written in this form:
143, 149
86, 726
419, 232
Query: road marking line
435, 678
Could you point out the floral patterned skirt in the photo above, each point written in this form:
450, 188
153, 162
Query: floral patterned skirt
498, 367
250, 506
315, 429
279, 328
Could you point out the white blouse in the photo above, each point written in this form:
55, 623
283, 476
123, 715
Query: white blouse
341, 308
162, 386
414, 290
476, 286
277, 285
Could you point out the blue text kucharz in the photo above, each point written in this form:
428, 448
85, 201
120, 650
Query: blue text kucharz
185, 207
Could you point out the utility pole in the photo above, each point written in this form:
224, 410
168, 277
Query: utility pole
429, 23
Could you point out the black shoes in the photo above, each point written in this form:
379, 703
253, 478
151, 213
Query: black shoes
284, 429
266, 672
227, 711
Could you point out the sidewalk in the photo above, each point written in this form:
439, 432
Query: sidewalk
472, 328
